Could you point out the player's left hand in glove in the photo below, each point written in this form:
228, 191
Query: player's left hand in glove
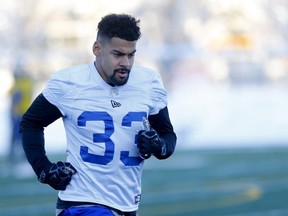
149, 142
57, 175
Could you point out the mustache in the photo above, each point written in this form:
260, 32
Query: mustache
122, 70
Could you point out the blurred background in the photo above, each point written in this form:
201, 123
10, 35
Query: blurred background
225, 66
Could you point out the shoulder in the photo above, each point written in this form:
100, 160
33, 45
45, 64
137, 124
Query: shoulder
67, 81
144, 75
71, 74
150, 82
144, 71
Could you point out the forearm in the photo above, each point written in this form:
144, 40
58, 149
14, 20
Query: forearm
162, 124
40, 114
169, 141
33, 145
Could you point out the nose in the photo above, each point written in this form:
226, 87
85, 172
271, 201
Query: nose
125, 61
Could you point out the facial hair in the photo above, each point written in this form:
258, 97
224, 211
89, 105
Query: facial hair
117, 81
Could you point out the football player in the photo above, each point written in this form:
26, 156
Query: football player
115, 117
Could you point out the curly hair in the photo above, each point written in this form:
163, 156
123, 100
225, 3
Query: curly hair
122, 26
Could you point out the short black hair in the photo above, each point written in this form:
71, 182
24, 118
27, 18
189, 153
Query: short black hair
122, 26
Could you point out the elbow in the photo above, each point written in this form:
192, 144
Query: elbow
28, 123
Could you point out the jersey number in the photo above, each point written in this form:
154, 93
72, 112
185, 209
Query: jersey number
106, 137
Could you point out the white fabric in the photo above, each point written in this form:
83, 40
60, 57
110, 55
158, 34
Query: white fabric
101, 123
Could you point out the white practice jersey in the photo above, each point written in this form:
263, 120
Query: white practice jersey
101, 124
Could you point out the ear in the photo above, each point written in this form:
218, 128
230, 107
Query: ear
96, 48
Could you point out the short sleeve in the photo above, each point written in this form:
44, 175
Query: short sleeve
57, 88
158, 94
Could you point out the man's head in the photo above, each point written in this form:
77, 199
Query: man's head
115, 47
121, 26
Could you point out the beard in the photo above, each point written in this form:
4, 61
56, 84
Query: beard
117, 80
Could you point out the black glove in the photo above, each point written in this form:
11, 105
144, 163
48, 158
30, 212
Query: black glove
150, 143
57, 175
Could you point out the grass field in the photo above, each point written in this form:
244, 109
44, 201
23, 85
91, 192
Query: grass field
220, 182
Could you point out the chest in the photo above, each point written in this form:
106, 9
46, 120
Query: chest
108, 106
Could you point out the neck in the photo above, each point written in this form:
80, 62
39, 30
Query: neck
102, 74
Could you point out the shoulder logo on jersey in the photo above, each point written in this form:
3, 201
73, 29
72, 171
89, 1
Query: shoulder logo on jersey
115, 104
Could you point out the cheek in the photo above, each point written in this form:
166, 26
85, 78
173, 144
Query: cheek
108, 66
112, 63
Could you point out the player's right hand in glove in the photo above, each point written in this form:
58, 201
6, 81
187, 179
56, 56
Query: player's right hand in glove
57, 175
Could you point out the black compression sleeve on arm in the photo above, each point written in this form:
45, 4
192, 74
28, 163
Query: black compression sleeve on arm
162, 124
40, 114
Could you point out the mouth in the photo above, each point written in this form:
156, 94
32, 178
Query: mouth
122, 73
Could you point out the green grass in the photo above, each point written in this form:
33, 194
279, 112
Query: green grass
220, 182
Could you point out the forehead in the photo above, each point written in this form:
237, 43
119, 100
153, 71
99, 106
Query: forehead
121, 45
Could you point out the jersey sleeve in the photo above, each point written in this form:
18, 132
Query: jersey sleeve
58, 87
158, 95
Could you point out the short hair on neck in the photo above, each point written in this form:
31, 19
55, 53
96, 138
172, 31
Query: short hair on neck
122, 26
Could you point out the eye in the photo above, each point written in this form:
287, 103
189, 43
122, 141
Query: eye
117, 54
131, 55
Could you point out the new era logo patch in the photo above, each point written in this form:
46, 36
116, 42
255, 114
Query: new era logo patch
115, 104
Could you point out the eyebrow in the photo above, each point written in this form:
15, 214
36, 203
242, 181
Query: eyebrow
121, 53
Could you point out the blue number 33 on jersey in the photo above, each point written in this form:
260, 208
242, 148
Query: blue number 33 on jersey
105, 137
